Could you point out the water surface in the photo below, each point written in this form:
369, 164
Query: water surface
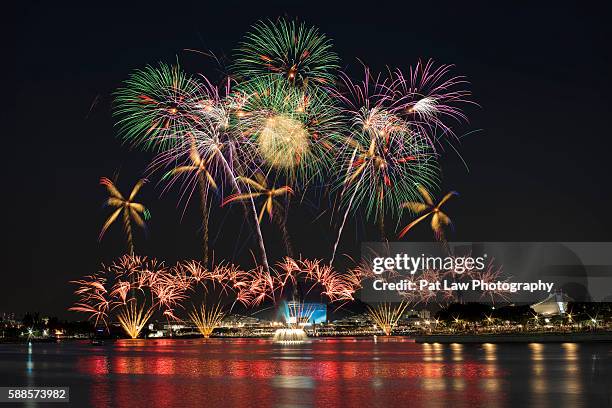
322, 373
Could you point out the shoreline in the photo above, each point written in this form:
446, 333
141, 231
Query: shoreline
429, 338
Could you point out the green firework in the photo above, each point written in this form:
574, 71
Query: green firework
153, 108
294, 130
292, 50
381, 170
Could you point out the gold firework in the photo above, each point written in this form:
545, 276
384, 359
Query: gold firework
283, 141
131, 211
133, 318
260, 186
438, 219
386, 316
200, 168
206, 318
198, 165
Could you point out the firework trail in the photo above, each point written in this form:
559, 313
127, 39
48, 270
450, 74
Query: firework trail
199, 167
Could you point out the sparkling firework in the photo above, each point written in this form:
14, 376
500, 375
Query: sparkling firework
135, 280
197, 143
292, 50
260, 285
153, 108
133, 318
207, 318
430, 97
282, 119
293, 129
94, 299
386, 315
382, 158
131, 211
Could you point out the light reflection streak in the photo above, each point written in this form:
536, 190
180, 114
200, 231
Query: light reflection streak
322, 374
572, 384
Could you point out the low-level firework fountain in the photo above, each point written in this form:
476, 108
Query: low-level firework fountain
290, 336
297, 315
207, 318
385, 316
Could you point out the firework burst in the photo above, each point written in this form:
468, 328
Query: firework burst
431, 98
94, 299
136, 287
382, 158
154, 106
297, 53
293, 129
283, 122
206, 152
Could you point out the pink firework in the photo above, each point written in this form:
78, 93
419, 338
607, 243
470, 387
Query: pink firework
430, 98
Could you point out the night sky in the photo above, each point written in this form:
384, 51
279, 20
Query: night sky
538, 151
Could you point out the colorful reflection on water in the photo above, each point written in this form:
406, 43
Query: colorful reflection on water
321, 373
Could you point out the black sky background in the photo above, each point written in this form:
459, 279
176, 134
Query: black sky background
538, 164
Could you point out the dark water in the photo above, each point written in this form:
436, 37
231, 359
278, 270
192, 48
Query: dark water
322, 373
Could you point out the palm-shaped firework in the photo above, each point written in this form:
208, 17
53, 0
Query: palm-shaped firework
426, 208
284, 117
198, 168
132, 211
198, 165
259, 188
188, 121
